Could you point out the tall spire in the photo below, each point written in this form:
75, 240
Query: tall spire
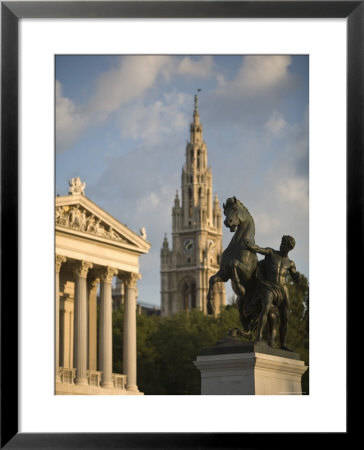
165, 241
176, 200
196, 127
196, 104
196, 231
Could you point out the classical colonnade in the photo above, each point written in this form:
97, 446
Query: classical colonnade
90, 369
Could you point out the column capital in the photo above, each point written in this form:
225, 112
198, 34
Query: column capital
92, 283
59, 261
81, 268
107, 273
130, 279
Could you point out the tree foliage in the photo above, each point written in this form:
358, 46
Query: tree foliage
167, 346
298, 324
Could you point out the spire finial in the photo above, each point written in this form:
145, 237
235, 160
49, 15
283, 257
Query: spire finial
196, 100
165, 246
176, 200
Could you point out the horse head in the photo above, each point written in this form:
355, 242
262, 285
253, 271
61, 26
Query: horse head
235, 213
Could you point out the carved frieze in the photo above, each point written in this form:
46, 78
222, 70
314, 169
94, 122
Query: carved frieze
78, 218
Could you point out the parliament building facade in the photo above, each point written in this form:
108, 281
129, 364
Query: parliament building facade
92, 248
196, 234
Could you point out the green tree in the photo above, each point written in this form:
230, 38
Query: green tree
167, 346
148, 365
298, 323
117, 341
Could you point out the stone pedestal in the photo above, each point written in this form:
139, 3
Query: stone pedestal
236, 367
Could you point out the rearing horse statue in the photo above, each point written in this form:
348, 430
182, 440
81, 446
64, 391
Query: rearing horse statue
237, 263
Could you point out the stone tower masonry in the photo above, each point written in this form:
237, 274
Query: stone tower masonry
196, 234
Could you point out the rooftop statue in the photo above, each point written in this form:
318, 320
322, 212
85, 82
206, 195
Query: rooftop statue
76, 186
143, 233
261, 287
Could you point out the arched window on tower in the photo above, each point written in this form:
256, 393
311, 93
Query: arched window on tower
189, 202
186, 294
193, 296
198, 159
189, 295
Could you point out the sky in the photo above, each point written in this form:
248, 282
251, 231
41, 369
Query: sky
122, 124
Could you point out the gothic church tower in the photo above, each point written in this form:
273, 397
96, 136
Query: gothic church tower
196, 234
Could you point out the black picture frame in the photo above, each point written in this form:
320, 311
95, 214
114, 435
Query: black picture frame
11, 12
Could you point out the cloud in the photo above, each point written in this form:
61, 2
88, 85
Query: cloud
201, 68
138, 188
140, 181
256, 150
249, 99
259, 74
69, 120
276, 123
267, 225
115, 89
129, 80
151, 121
266, 168
294, 191
290, 143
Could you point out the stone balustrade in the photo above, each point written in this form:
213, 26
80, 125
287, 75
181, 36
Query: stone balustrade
119, 381
94, 378
67, 376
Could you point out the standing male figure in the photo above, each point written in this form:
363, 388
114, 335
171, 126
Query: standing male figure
272, 288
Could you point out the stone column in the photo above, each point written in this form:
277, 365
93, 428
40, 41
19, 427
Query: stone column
92, 323
80, 322
105, 342
59, 260
129, 349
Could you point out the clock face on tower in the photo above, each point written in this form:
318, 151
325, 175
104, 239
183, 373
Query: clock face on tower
188, 245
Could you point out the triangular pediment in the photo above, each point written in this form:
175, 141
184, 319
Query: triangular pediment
78, 215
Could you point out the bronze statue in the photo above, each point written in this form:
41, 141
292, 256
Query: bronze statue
261, 288
238, 263
270, 293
